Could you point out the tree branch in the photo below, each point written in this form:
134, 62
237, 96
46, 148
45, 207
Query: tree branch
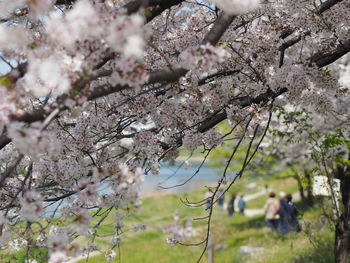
242, 102
322, 59
327, 5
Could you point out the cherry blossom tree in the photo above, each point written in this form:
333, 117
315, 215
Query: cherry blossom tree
97, 93
320, 146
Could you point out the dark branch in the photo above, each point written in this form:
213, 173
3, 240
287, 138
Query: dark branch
215, 75
290, 43
221, 24
322, 59
327, 5
242, 102
64, 2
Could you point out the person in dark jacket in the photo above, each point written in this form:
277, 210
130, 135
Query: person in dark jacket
231, 205
283, 213
293, 223
221, 198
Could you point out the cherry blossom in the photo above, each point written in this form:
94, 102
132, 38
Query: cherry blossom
110, 255
94, 95
31, 206
178, 231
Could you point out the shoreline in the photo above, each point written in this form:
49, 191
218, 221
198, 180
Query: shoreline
192, 159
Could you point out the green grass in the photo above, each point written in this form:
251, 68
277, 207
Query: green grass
150, 246
41, 256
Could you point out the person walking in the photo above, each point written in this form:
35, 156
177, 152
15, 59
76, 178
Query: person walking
231, 205
221, 198
241, 204
283, 213
271, 208
292, 220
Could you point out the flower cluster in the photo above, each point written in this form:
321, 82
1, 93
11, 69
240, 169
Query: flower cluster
125, 184
57, 239
81, 221
8, 105
17, 244
75, 26
47, 77
31, 205
13, 37
110, 255
205, 57
193, 139
8, 7
129, 72
40, 7
133, 84
180, 230
125, 35
147, 146
31, 140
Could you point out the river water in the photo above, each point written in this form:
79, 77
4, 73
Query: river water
171, 179
177, 178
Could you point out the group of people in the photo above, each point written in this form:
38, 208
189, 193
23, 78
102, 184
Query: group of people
241, 204
281, 215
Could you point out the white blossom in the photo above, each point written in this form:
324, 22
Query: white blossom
8, 7
205, 57
31, 205
57, 239
31, 140
76, 25
57, 257
125, 34
13, 37
47, 77
40, 7
110, 255
116, 240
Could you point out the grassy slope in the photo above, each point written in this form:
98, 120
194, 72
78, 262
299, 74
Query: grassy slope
149, 246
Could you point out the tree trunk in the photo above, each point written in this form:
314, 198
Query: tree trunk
300, 187
342, 241
310, 200
342, 228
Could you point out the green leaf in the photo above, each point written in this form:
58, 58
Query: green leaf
148, 12
5, 81
224, 45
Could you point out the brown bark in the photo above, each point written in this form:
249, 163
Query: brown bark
300, 187
342, 241
342, 228
309, 198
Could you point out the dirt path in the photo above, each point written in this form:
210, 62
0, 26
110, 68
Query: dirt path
259, 211
83, 256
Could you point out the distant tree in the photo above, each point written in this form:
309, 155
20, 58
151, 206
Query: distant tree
314, 145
